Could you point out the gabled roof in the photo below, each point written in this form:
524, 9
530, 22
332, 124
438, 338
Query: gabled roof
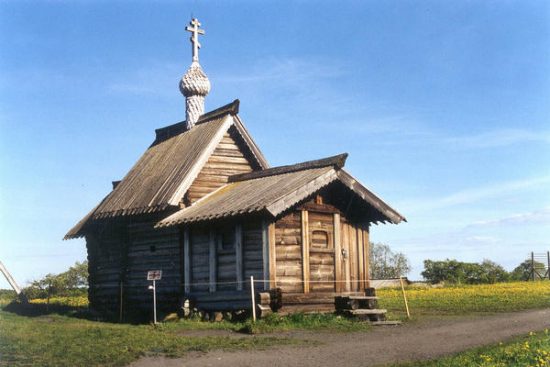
275, 190
162, 175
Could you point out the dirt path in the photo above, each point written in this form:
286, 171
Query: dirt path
414, 341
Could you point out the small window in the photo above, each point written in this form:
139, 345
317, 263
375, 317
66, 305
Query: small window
319, 239
225, 238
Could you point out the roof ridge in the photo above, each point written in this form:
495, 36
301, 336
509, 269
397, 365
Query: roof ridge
166, 132
337, 160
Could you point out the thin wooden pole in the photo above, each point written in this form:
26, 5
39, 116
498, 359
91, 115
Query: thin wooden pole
10, 279
154, 302
121, 293
533, 265
253, 300
405, 297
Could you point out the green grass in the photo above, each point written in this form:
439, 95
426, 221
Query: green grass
44, 337
532, 350
468, 299
61, 334
313, 322
56, 340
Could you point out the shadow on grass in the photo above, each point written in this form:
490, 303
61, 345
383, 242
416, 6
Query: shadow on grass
79, 312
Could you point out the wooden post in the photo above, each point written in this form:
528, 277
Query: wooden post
239, 256
252, 290
154, 302
405, 297
360, 258
305, 250
337, 253
346, 246
272, 257
367, 257
212, 264
10, 279
533, 265
265, 254
186, 261
120, 310
353, 257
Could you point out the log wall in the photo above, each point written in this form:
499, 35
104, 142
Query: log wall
315, 261
199, 258
152, 249
288, 247
226, 160
237, 255
252, 252
104, 268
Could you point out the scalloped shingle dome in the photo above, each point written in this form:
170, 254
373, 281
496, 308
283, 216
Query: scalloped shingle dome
195, 82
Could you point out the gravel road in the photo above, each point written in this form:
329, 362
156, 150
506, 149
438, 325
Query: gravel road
418, 340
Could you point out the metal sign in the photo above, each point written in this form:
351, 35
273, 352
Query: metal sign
154, 275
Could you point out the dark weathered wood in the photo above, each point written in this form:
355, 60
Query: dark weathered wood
239, 255
186, 260
212, 261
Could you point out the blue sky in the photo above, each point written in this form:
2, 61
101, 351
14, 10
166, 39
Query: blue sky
442, 106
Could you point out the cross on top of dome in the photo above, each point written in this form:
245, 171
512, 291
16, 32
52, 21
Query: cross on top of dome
193, 27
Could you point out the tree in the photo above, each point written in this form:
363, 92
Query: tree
385, 264
493, 272
524, 271
457, 272
72, 280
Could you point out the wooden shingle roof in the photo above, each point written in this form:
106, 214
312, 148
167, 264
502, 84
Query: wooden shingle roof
162, 175
275, 190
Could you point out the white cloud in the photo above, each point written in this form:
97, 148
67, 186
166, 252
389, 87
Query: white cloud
498, 138
541, 216
476, 194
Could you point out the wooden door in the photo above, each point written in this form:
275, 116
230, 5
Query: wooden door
321, 252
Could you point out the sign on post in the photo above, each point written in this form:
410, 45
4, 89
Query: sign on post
154, 275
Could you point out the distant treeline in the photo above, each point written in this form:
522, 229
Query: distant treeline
486, 272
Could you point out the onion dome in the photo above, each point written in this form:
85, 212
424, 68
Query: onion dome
195, 82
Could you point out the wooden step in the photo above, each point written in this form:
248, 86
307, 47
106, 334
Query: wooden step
355, 302
385, 323
361, 297
362, 311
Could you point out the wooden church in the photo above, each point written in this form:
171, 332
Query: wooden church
203, 206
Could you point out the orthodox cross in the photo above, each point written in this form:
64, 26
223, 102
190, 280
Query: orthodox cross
194, 29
